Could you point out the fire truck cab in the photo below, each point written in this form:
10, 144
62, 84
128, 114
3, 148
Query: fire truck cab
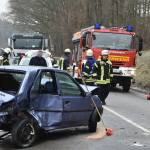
121, 43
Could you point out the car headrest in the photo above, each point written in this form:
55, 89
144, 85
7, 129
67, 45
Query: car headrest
49, 87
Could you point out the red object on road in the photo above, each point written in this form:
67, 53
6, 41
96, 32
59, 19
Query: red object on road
109, 132
148, 97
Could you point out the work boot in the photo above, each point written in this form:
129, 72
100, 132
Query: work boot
103, 103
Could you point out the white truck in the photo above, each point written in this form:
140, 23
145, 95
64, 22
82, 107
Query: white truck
24, 42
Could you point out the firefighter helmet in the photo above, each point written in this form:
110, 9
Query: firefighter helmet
105, 52
67, 50
7, 50
89, 53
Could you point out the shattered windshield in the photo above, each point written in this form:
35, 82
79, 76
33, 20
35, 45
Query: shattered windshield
27, 43
10, 82
113, 41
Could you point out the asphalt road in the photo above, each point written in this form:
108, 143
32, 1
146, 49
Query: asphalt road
126, 113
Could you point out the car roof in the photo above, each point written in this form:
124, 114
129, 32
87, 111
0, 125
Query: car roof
29, 68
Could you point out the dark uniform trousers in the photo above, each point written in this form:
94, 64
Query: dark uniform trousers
103, 91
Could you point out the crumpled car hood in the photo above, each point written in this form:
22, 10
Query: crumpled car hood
4, 97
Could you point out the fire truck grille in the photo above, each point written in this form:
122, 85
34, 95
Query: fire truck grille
118, 63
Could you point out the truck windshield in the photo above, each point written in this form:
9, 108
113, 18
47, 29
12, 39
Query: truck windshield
113, 41
24, 43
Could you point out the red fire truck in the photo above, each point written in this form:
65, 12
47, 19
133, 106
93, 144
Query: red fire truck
121, 43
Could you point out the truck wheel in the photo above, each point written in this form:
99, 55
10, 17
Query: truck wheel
23, 133
93, 121
126, 84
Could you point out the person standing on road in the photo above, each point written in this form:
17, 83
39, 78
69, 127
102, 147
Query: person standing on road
65, 61
17, 60
88, 68
5, 60
102, 73
38, 60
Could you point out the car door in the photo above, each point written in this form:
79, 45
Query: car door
76, 106
45, 100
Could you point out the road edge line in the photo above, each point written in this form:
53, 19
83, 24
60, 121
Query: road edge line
128, 120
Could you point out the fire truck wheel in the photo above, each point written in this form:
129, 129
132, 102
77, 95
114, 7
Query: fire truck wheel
113, 84
126, 84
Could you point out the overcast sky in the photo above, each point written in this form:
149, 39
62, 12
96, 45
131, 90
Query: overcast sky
3, 5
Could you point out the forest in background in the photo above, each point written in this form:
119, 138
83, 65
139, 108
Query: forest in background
6, 30
59, 19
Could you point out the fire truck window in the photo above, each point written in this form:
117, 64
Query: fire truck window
114, 41
88, 40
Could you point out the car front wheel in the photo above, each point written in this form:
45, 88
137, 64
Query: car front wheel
23, 133
93, 121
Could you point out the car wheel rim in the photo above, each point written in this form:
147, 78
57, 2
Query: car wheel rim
26, 134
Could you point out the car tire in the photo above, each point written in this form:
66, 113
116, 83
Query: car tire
24, 133
93, 121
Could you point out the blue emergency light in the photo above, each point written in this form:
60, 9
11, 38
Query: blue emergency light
97, 26
129, 28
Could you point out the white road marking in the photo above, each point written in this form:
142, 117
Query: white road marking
128, 120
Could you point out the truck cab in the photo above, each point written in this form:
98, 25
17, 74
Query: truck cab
23, 42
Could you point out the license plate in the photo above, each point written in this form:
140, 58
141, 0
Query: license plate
116, 71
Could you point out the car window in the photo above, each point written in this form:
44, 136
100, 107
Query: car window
68, 85
45, 84
10, 82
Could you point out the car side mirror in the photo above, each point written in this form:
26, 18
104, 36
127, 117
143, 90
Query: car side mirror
88, 94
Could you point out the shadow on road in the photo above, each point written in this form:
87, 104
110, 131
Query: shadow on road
117, 89
52, 136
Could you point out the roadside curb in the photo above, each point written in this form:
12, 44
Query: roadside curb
139, 90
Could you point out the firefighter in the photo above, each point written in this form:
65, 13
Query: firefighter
88, 68
5, 60
65, 61
102, 73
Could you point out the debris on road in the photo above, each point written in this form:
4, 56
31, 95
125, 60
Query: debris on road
100, 134
138, 144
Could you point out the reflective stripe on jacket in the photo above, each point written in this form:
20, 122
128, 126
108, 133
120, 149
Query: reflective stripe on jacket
64, 63
102, 71
4, 61
88, 70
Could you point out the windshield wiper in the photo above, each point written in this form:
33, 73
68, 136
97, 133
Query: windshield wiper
123, 49
103, 47
21, 48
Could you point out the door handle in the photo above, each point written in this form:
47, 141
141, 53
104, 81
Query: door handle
67, 102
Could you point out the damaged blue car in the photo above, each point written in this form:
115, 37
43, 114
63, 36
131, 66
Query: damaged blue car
35, 99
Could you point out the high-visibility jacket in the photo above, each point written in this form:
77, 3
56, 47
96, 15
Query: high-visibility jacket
102, 71
57, 63
16, 61
64, 63
88, 70
4, 61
